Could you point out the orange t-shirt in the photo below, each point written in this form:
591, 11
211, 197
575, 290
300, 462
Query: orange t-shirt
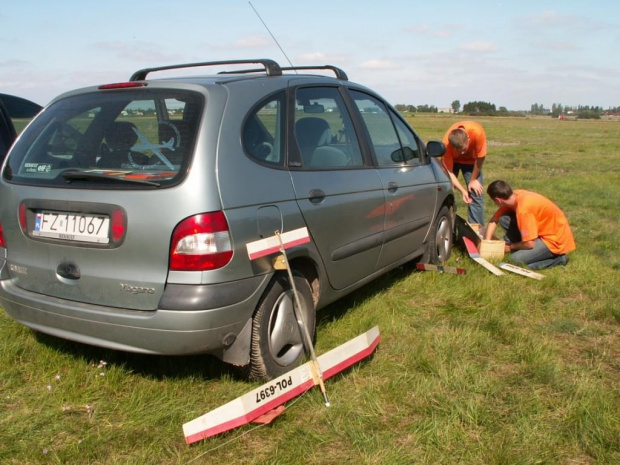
477, 147
537, 216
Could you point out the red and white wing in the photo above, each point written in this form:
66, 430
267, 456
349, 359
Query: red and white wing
252, 405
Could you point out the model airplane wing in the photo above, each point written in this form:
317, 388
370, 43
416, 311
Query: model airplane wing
252, 405
472, 251
522, 271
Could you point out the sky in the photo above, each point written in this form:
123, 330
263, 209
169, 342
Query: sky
508, 53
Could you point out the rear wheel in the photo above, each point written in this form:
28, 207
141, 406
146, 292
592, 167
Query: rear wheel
277, 341
439, 245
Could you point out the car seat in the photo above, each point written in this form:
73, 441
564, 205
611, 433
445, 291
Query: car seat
120, 137
311, 133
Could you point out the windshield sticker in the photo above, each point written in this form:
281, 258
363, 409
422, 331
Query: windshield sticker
146, 144
37, 167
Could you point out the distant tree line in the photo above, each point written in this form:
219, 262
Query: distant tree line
471, 108
488, 109
416, 109
580, 111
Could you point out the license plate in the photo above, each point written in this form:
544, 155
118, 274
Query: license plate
80, 227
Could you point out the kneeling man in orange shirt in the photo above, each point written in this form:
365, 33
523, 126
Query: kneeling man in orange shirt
537, 231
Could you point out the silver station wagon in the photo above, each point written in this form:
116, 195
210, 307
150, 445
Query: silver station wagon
126, 209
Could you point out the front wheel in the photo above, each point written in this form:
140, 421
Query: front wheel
277, 341
439, 244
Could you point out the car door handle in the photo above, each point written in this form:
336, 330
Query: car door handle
316, 195
392, 186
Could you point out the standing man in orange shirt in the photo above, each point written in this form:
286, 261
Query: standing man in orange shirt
466, 147
537, 232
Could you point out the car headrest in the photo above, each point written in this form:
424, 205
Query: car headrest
121, 135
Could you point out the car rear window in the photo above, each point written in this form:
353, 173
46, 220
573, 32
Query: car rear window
109, 139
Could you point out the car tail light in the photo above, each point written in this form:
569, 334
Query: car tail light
118, 225
201, 242
2, 243
122, 85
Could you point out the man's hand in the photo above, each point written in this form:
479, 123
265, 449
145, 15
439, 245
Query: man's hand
475, 187
466, 197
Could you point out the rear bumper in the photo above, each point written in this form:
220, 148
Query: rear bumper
164, 331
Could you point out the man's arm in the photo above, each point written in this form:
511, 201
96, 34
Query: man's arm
490, 229
523, 245
509, 247
457, 185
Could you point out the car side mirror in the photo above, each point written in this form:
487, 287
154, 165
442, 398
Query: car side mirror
435, 149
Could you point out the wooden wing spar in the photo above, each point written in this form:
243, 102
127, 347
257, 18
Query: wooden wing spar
270, 395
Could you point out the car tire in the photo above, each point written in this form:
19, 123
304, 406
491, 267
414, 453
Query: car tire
277, 342
439, 245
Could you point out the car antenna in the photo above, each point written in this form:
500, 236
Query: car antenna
272, 36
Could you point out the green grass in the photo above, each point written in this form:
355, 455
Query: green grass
470, 369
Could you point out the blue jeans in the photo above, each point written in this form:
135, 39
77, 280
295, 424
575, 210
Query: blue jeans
475, 210
537, 258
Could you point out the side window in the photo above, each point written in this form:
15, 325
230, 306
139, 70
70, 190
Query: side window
262, 135
175, 109
324, 131
393, 143
411, 151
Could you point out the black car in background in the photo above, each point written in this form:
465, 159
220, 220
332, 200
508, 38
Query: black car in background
12, 107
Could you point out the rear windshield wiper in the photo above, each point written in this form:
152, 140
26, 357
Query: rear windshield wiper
71, 175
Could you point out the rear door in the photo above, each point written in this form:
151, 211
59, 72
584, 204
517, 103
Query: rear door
406, 177
339, 193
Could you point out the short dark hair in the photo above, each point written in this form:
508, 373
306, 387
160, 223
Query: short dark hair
458, 138
499, 190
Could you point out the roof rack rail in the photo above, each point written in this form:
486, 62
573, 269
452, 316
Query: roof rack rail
271, 67
340, 74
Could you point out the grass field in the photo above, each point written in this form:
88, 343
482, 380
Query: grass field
471, 369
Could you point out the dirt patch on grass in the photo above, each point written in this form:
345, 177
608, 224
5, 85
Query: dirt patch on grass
494, 143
